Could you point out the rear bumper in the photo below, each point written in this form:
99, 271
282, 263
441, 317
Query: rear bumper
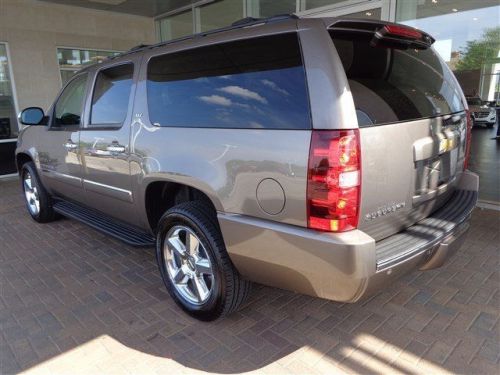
345, 266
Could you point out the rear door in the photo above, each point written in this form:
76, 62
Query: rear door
104, 141
412, 122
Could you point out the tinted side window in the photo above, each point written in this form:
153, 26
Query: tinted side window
111, 95
254, 83
69, 106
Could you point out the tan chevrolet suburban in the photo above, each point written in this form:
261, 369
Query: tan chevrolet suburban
325, 156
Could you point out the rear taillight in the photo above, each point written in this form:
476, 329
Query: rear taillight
402, 31
468, 139
334, 180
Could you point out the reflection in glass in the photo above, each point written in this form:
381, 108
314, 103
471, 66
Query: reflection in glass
467, 37
31, 116
69, 106
8, 121
255, 83
111, 95
385, 91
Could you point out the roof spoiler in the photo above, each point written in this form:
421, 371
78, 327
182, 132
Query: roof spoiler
382, 34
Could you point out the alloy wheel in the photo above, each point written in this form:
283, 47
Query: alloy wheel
31, 194
188, 265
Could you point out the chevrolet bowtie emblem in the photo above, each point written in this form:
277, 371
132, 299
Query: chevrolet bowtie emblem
446, 145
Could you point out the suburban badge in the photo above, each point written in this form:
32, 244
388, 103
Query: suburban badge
385, 210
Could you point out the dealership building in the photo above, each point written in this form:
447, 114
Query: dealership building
44, 42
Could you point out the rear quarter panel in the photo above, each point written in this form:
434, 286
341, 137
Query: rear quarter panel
226, 164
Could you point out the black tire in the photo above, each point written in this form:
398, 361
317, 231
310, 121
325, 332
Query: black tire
490, 126
45, 212
228, 289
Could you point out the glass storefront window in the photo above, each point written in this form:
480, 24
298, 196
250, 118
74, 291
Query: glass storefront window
176, 26
311, 4
220, 14
269, 8
371, 14
467, 37
72, 60
8, 121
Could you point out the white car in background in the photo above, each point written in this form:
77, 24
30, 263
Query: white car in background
481, 113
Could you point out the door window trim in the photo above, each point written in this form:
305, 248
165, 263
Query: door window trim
53, 109
86, 125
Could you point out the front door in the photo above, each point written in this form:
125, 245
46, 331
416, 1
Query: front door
104, 142
58, 153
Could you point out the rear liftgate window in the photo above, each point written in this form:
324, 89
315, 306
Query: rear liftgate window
392, 85
253, 83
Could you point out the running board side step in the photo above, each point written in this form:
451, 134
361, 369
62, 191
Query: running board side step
105, 224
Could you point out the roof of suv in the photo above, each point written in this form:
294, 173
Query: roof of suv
344, 24
245, 22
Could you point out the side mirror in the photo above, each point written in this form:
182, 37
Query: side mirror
31, 116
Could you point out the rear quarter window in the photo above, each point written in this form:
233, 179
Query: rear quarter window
252, 83
390, 85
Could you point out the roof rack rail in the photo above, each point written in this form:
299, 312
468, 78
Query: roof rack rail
251, 20
139, 46
248, 21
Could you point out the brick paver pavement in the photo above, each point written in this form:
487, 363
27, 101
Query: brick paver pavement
75, 301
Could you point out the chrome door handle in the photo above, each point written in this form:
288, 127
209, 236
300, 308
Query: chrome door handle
70, 145
115, 148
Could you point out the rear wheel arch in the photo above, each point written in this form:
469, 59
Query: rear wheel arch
162, 195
